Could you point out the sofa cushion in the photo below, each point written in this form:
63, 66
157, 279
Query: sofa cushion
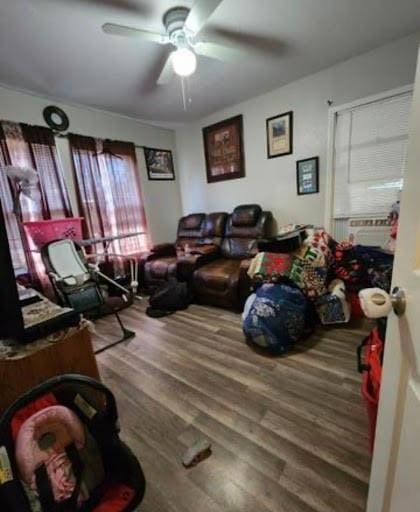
218, 275
190, 228
162, 267
192, 221
214, 228
239, 248
246, 215
241, 241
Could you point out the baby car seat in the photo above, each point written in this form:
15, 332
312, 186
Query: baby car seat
60, 451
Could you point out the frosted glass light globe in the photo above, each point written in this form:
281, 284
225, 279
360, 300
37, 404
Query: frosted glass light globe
184, 62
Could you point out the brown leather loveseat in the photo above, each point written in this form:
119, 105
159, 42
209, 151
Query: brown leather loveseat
199, 237
224, 281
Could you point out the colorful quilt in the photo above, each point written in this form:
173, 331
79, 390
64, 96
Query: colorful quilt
307, 268
268, 266
311, 264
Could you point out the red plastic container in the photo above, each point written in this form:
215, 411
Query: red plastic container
356, 309
41, 232
371, 379
371, 408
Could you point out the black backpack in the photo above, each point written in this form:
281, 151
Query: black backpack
168, 298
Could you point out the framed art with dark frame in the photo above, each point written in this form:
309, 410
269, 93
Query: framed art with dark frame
224, 150
159, 163
280, 135
307, 176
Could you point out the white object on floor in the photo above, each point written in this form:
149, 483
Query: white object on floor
338, 288
196, 453
375, 302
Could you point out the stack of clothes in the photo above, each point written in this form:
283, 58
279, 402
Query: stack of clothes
287, 287
361, 266
292, 286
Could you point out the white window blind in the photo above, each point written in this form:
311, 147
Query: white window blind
369, 161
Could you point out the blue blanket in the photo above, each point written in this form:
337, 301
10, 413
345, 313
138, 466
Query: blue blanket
277, 317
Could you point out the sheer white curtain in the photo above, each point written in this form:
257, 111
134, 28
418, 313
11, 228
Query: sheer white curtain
109, 193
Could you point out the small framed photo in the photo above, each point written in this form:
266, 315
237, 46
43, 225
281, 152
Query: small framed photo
224, 150
307, 176
159, 163
280, 135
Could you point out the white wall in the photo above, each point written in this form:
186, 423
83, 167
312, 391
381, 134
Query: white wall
162, 199
272, 182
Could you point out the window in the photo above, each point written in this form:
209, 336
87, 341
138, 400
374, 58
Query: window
370, 149
31, 146
109, 194
12, 227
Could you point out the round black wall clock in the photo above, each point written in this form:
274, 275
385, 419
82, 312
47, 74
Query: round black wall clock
56, 118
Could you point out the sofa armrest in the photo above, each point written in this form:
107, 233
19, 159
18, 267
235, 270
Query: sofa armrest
245, 282
245, 264
162, 250
205, 249
199, 256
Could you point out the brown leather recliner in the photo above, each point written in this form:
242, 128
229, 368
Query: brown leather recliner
224, 282
206, 249
198, 241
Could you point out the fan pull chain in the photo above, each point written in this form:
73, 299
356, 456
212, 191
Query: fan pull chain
186, 98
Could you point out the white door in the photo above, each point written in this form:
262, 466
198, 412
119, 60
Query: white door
395, 477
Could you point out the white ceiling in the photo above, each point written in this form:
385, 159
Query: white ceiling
56, 48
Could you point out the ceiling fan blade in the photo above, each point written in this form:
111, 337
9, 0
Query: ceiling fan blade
219, 52
135, 33
269, 46
167, 72
130, 6
200, 13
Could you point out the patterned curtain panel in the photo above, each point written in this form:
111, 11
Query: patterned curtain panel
44, 158
109, 194
6, 198
31, 146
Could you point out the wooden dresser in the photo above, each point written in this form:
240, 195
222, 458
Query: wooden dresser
23, 367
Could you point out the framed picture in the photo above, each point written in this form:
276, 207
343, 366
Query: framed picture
224, 151
280, 135
307, 178
160, 165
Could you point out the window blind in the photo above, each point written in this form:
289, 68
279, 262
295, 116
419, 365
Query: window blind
369, 156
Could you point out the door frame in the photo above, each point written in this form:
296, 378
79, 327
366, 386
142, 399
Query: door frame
332, 122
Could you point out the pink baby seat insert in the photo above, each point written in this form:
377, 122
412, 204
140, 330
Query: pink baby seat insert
42, 440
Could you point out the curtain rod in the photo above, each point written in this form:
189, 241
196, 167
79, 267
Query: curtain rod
66, 136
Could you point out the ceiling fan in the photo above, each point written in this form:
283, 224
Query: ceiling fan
182, 26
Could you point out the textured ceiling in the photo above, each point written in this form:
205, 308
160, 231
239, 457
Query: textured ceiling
56, 48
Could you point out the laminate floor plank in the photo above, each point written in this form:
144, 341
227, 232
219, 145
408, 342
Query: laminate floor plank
224, 465
289, 434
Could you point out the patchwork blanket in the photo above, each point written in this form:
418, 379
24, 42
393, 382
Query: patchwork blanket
307, 268
270, 266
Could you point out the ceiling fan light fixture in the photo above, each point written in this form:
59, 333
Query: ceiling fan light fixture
184, 61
